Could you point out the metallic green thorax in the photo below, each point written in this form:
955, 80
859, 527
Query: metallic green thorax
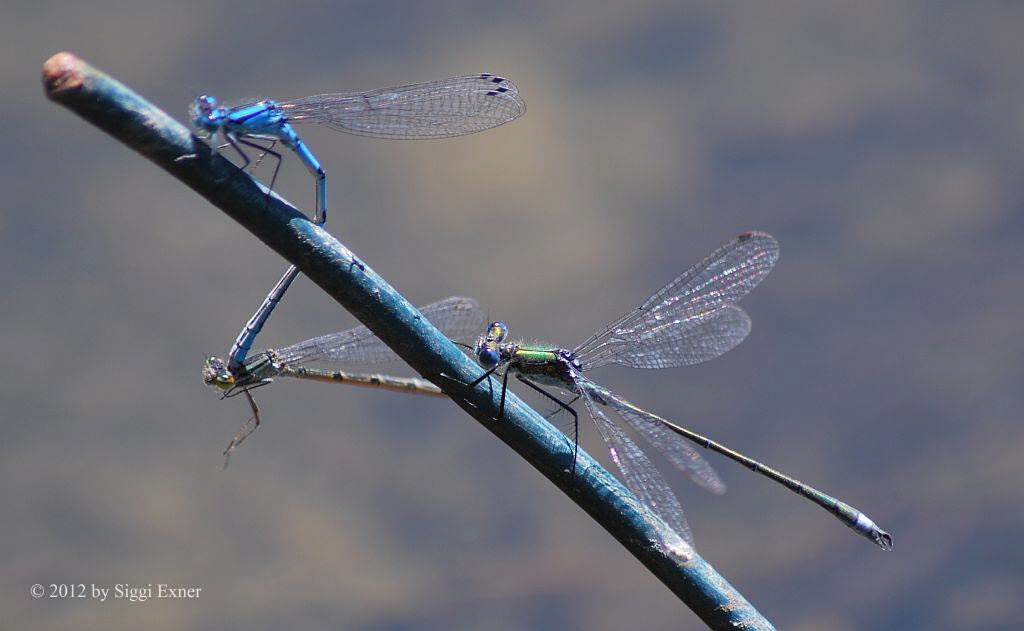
553, 366
534, 355
261, 366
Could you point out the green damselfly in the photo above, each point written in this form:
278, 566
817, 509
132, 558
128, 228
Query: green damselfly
691, 320
457, 317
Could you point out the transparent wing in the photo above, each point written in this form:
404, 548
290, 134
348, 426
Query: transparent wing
680, 339
677, 314
674, 447
457, 317
437, 109
638, 472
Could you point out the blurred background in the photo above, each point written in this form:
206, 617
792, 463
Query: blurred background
879, 143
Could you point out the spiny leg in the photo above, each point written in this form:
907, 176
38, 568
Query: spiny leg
504, 389
266, 151
487, 374
244, 389
550, 416
490, 386
234, 145
562, 406
253, 163
471, 348
243, 432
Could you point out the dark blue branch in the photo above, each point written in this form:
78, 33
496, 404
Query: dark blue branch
114, 108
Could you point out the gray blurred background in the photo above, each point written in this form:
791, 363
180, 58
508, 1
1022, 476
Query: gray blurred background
880, 143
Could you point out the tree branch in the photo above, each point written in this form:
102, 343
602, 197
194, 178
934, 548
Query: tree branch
125, 115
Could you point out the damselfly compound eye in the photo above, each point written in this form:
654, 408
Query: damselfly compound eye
488, 357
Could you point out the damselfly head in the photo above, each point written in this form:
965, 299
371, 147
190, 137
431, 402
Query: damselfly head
205, 113
488, 347
217, 375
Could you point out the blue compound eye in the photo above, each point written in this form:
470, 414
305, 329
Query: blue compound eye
488, 357
203, 109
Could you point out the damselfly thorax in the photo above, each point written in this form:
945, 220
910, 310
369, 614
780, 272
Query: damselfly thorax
556, 367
